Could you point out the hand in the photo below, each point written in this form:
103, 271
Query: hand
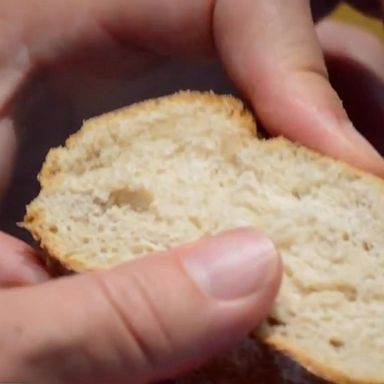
142, 322
128, 323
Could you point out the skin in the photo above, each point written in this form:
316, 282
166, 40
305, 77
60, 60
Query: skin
115, 328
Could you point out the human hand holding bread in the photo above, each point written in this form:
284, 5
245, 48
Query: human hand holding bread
128, 321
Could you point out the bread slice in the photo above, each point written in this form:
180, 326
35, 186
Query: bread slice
168, 171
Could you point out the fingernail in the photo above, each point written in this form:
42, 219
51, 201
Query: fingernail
233, 265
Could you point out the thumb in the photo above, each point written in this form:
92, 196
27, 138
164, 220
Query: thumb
280, 68
145, 321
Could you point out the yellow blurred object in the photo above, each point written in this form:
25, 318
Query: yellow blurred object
346, 13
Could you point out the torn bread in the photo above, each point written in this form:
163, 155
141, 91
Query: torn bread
168, 171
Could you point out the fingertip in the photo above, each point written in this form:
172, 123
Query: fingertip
362, 153
311, 113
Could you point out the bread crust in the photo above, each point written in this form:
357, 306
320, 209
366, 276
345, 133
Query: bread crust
228, 103
237, 111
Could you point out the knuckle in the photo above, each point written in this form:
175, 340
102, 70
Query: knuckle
134, 306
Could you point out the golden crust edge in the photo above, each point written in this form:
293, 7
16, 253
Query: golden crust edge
311, 365
48, 250
227, 102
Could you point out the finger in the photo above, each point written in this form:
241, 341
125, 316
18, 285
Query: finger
166, 26
273, 54
355, 60
144, 321
19, 265
14, 67
343, 39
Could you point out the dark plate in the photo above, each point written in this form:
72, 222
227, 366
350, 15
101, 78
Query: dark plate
251, 363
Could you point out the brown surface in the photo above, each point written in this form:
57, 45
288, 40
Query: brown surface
251, 363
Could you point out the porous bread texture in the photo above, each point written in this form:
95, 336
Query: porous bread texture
165, 172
